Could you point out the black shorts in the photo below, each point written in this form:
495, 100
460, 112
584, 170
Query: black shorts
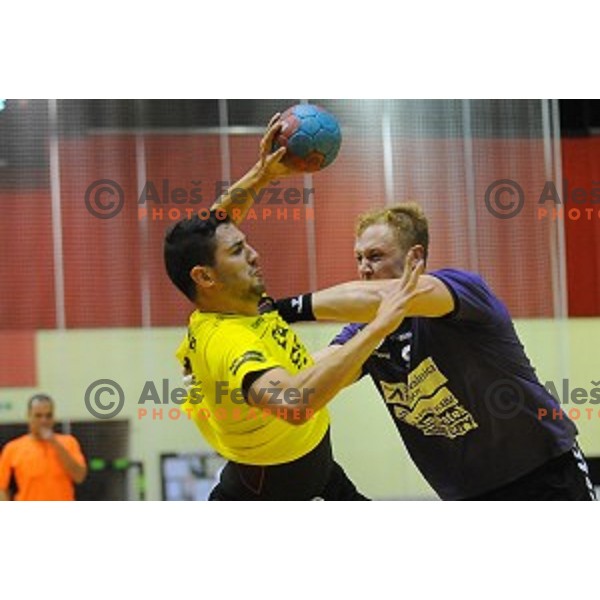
563, 478
315, 476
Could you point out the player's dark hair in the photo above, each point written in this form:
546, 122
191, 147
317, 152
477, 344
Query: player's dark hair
190, 243
39, 398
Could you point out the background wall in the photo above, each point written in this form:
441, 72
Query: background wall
83, 271
365, 440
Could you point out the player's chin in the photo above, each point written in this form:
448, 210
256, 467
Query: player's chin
259, 288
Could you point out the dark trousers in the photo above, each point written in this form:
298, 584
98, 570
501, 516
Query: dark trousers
315, 476
562, 478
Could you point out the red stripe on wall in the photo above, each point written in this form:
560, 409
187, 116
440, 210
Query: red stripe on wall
17, 359
581, 168
26, 260
104, 260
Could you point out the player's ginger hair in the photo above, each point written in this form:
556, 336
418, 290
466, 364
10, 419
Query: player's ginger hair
407, 220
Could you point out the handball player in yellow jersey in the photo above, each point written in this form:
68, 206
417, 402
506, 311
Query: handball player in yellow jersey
259, 398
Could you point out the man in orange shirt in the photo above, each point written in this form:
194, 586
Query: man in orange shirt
45, 464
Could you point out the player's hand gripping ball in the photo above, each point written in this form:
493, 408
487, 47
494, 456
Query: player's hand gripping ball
311, 135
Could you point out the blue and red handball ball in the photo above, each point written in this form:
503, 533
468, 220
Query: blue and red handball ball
311, 135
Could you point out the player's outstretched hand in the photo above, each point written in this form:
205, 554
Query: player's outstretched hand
396, 300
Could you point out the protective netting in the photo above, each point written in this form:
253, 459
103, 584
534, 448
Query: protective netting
64, 265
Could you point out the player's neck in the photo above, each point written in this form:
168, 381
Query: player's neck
229, 306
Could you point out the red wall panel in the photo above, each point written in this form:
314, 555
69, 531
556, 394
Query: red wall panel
26, 260
352, 185
18, 366
581, 169
190, 163
114, 267
101, 256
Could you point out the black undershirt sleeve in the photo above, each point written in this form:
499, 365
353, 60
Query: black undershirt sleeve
296, 308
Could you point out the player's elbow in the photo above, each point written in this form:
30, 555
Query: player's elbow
303, 405
283, 396
291, 412
295, 415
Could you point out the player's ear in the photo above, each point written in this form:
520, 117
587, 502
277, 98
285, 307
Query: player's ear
203, 276
417, 253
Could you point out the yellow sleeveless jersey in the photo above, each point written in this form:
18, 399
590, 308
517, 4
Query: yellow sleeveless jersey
221, 350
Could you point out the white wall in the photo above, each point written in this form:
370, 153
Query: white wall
365, 441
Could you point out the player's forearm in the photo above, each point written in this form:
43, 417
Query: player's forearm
358, 301
319, 384
77, 472
354, 301
3, 496
239, 198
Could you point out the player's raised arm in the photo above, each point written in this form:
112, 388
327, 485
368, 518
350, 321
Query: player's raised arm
239, 198
358, 301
